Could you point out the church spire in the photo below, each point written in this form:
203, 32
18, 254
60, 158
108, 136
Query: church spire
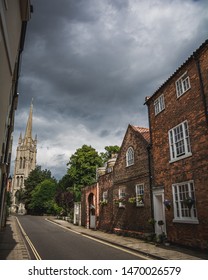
28, 131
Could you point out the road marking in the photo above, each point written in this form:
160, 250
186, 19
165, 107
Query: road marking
102, 242
37, 256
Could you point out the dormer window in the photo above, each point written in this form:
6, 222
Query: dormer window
130, 156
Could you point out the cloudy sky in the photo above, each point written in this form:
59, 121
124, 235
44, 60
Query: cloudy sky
89, 64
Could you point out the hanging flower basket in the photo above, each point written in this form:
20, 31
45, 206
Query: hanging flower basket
132, 200
103, 202
140, 200
188, 202
119, 200
167, 204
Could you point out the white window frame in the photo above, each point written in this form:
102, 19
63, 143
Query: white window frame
182, 84
179, 142
182, 214
139, 189
121, 194
159, 104
130, 157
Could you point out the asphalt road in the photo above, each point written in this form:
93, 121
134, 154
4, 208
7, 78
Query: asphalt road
52, 242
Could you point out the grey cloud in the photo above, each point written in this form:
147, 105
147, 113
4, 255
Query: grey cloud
89, 64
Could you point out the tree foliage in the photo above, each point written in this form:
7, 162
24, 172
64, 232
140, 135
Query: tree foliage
35, 177
109, 151
42, 198
82, 168
65, 200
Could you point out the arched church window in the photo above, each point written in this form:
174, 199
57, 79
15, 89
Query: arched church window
24, 162
20, 165
130, 156
21, 182
18, 181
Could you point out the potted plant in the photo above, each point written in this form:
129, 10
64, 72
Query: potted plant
189, 202
152, 221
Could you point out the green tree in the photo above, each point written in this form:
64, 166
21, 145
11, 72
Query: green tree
109, 151
65, 183
82, 168
64, 194
35, 177
42, 198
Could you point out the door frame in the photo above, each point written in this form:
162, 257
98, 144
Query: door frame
159, 210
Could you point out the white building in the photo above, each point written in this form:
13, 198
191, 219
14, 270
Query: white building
14, 16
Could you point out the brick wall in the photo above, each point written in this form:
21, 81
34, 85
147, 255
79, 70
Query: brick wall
132, 217
188, 107
106, 211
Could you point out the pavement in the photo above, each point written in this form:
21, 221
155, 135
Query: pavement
13, 246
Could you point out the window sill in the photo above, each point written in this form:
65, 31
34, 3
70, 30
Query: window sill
139, 205
130, 165
191, 221
179, 158
156, 114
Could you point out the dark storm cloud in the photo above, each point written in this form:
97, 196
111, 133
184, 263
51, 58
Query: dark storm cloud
90, 64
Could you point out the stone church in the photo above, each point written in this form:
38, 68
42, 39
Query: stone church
25, 162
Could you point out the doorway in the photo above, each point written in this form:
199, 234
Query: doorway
91, 203
159, 210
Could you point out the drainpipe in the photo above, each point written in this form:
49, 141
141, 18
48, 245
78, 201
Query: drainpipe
150, 165
201, 86
150, 178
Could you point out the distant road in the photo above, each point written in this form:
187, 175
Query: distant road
51, 242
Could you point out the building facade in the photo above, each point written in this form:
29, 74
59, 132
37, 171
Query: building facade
25, 162
122, 193
131, 188
178, 118
14, 16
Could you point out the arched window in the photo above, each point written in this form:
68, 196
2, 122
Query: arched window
21, 182
24, 162
130, 156
18, 181
20, 165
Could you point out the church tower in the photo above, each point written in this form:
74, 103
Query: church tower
25, 162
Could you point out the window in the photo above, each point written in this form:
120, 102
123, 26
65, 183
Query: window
182, 84
184, 212
140, 195
122, 197
18, 181
105, 196
20, 165
159, 104
130, 156
24, 162
179, 142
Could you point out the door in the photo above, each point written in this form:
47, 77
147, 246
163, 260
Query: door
159, 211
92, 217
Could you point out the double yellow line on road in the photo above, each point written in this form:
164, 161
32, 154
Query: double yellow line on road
37, 256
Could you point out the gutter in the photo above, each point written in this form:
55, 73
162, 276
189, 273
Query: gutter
202, 91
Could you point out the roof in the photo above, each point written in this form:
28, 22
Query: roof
193, 55
143, 131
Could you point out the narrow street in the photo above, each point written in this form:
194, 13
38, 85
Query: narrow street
52, 242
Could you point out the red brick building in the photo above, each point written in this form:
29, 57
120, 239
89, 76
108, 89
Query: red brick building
122, 188
178, 118
106, 201
90, 206
131, 192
